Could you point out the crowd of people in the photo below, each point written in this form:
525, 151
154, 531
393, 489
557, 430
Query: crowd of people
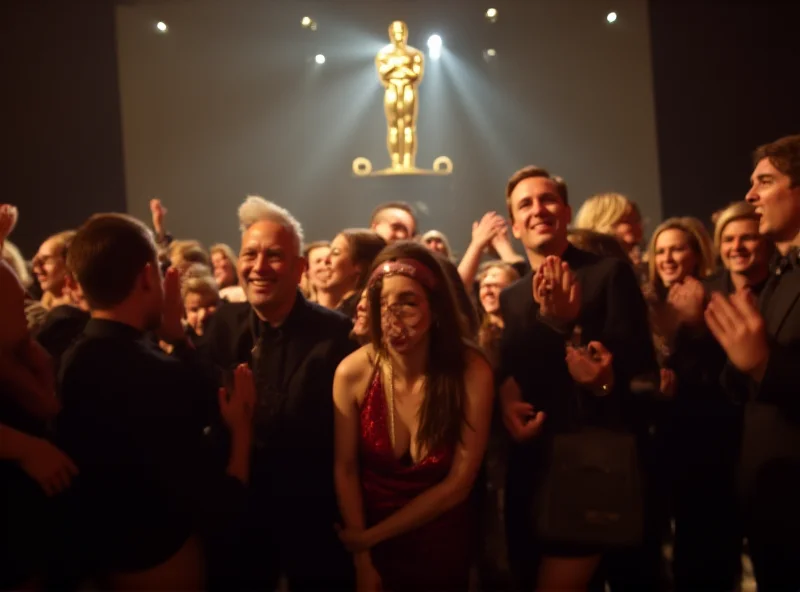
373, 413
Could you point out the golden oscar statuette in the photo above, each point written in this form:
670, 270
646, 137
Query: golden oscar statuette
400, 69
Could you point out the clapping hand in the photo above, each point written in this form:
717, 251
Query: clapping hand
158, 212
47, 465
591, 366
171, 329
487, 229
739, 328
556, 290
686, 299
237, 404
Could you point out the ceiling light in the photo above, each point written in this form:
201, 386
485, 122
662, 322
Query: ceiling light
319, 58
611, 17
162, 26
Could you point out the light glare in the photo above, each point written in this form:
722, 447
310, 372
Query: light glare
306, 21
611, 17
435, 47
162, 26
319, 58
491, 53
491, 13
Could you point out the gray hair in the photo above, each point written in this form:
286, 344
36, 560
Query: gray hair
257, 209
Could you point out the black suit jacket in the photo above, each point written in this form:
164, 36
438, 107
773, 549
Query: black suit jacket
613, 312
293, 469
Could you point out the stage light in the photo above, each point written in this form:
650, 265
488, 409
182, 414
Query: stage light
162, 26
306, 21
319, 58
491, 53
435, 47
491, 15
611, 17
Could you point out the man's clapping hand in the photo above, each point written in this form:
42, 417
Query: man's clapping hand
556, 291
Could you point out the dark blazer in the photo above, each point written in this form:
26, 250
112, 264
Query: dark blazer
613, 311
770, 471
293, 471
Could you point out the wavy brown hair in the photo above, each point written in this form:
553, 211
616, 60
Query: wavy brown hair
441, 414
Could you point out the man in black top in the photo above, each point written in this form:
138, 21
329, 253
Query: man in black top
571, 295
763, 342
134, 420
294, 347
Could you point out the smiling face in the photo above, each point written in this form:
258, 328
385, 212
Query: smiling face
361, 320
224, 270
50, 267
339, 265
674, 257
405, 313
777, 203
495, 280
269, 266
318, 272
742, 249
540, 216
199, 307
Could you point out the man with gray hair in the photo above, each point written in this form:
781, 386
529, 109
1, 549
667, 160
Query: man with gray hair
293, 347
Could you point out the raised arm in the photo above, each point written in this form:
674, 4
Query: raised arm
457, 486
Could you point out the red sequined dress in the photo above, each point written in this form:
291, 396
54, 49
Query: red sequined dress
435, 556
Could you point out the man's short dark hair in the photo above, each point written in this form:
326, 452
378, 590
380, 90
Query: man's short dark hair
784, 155
107, 255
530, 172
392, 205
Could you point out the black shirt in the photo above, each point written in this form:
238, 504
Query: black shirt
293, 365
613, 312
134, 421
61, 327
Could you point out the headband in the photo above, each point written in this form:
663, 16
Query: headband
410, 268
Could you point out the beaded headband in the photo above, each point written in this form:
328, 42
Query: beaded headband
410, 268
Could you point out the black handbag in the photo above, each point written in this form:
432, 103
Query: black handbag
592, 491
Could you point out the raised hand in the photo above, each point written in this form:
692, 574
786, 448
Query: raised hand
489, 226
739, 328
47, 465
687, 299
158, 212
8, 220
171, 329
591, 366
237, 405
556, 290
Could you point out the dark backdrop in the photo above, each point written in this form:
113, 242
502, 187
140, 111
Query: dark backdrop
230, 102
724, 75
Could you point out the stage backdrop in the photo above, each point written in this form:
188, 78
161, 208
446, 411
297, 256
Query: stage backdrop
230, 101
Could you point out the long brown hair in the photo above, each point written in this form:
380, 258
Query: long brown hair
441, 414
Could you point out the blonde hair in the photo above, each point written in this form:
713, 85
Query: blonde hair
699, 241
257, 209
226, 251
603, 211
199, 283
189, 251
13, 257
440, 235
738, 210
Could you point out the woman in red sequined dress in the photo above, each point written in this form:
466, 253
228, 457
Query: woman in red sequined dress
413, 410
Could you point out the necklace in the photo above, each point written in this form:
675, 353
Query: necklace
391, 404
